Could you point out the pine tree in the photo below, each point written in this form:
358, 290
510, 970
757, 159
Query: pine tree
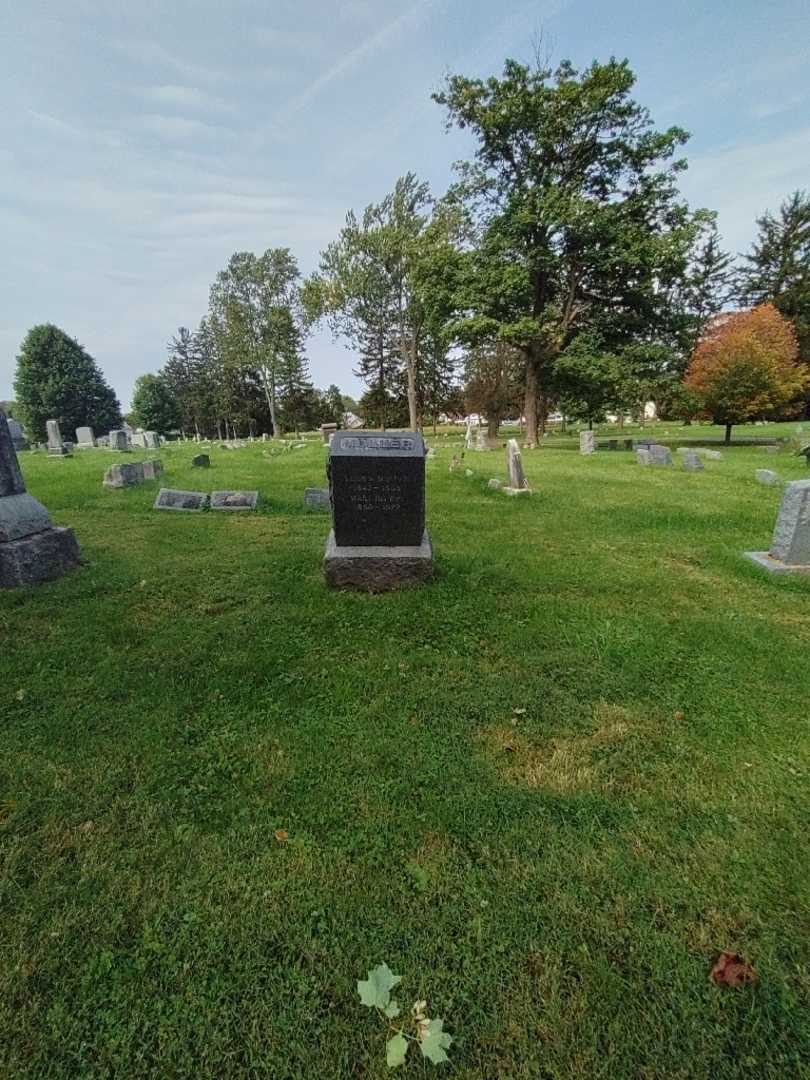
58, 380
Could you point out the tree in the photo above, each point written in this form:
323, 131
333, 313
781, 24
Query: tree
58, 380
778, 270
576, 202
333, 406
154, 404
492, 386
745, 367
589, 380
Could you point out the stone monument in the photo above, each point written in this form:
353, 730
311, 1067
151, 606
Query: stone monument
518, 484
767, 476
85, 438
326, 431
119, 440
660, 455
643, 456
468, 437
18, 438
56, 447
790, 546
691, 461
587, 442
484, 441
377, 489
32, 549
151, 440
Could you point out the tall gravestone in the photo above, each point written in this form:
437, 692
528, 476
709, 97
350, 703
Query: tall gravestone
518, 484
18, 438
151, 440
587, 442
790, 546
378, 539
56, 447
468, 437
31, 548
119, 440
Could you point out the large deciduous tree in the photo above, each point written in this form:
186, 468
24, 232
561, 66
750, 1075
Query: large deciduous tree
58, 380
746, 368
579, 220
155, 406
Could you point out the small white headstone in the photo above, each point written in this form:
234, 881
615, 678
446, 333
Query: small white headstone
587, 442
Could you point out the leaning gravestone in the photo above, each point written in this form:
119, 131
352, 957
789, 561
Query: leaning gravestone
32, 549
234, 500
790, 546
85, 439
317, 497
587, 442
119, 440
151, 440
691, 462
56, 447
377, 488
518, 484
18, 438
170, 499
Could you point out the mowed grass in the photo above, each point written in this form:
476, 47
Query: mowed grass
547, 789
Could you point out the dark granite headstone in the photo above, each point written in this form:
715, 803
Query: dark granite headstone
377, 488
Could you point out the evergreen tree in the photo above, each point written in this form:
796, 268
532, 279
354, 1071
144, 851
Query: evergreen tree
154, 404
58, 380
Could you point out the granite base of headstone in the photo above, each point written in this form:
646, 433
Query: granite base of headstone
234, 500
188, 501
32, 549
790, 546
587, 442
378, 539
317, 498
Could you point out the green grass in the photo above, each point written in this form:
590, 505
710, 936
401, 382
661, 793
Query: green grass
556, 882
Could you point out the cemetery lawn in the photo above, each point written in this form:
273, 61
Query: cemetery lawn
548, 789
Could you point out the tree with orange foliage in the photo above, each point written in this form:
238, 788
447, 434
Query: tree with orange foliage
745, 367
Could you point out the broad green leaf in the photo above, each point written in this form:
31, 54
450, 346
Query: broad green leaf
392, 1009
433, 1041
375, 991
395, 1050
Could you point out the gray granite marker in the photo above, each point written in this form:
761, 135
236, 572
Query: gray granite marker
691, 462
56, 447
234, 500
767, 476
190, 501
85, 440
119, 440
660, 455
587, 442
790, 546
317, 497
643, 456
518, 484
18, 438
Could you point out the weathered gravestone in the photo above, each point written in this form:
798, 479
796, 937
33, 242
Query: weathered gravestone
484, 441
56, 447
119, 440
326, 431
234, 500
151, 440
643, 456
767, 476
152, 470
518, 484
587, 442
85, 440
468, 436
317, 497
121, 476
643, 444
32, 549
201, 461
660, 455
691, 462
170, 499
790, 546
377, 488
18, 438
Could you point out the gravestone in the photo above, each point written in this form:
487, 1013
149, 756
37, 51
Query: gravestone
790, 546
18, 438
483, 441
170, 499
587, 442
152, 470
56, 447
119, 440
151, 440
495, 484
711, 455
660, 455
32, 549
326, 431
121, 476
643, 456
317, 497
234, 500
201, 461
628, 444
518, 484
137, 438
85, 439
691, 462
378, 539
767, 476
643, 444
468, 437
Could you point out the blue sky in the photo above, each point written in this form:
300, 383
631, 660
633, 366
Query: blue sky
142, 143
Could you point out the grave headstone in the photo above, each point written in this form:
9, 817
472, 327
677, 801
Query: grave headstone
138, 438
171, 499
377, 488
711, 455
85, 440
317, 497
56, 447
234, 500
151, 440
495, 484
518, 484
32, 549
660, 455
468, 436
643, 456
18, 438
691, 462
201, 461
643, 444
767, 476
152, 470
587, 442
121, 476
483, 441
790, 545
119, 440
326, 431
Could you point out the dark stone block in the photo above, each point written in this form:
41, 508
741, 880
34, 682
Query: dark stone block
377, 488
40, 557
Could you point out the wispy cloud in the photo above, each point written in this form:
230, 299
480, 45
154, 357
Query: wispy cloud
301, 42
55, 126
180, 127
763, 109
153, 55
184, 97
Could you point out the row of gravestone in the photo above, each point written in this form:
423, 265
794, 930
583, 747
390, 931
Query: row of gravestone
119, 440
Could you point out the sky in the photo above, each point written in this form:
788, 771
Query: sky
141, 144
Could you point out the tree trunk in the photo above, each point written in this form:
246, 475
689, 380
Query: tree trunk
530, 402
543, 412
493, 426
410, 364
728, 434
